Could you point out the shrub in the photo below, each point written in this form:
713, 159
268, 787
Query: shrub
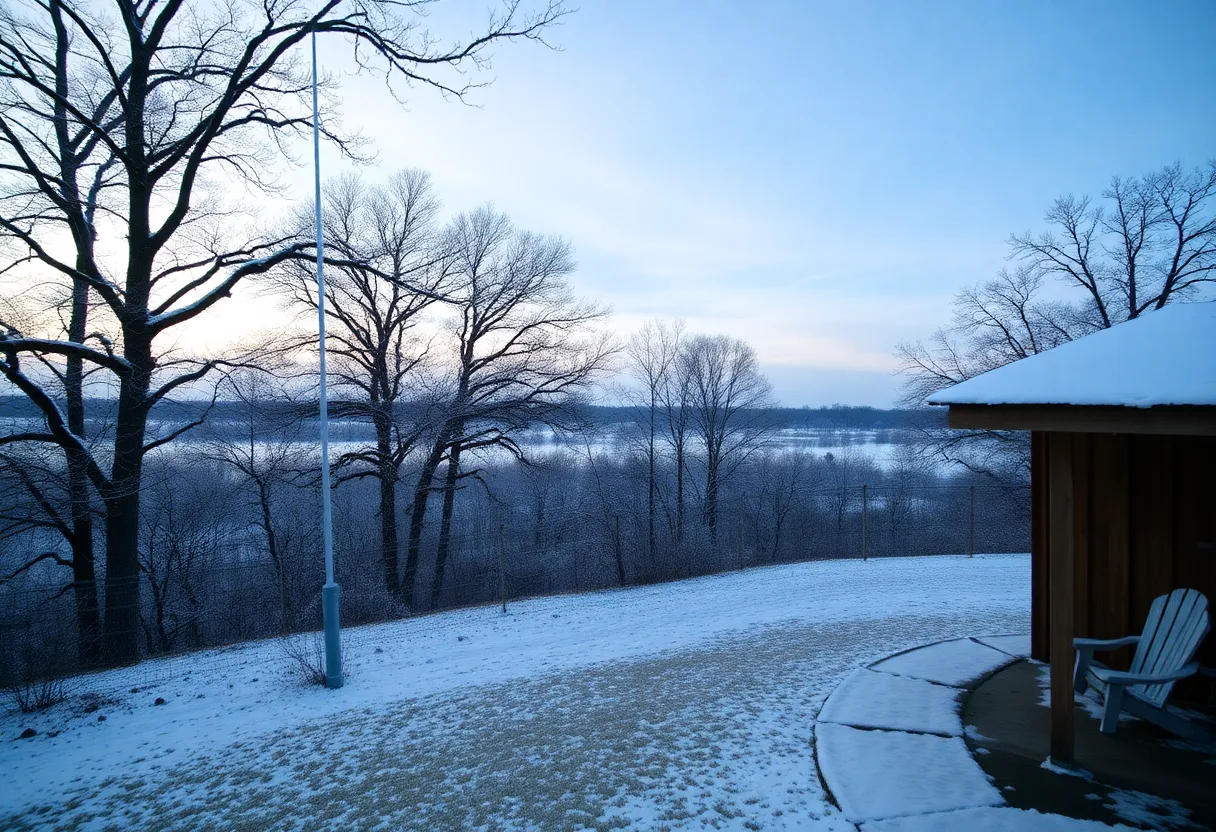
40, 695
304, 655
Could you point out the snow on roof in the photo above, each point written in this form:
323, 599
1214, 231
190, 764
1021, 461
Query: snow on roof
1167, 357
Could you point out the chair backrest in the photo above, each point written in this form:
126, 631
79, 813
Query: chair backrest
1175, 626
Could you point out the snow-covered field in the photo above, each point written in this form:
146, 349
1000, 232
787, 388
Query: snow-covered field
685, 705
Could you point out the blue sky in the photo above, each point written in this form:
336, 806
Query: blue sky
818, 178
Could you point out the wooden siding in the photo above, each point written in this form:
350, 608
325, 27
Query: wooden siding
1143, 523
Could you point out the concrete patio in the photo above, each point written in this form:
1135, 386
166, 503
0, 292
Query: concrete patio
954, 734
1007, 721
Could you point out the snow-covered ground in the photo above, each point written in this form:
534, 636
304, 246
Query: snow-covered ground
685, 705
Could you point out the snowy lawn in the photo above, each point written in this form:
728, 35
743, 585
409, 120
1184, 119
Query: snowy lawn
685, 705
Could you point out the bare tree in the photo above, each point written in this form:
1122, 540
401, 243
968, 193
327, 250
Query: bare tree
606, 515
1152, 242
675, 395
729, 398
79, 168
395, 271
261, 447
522, 350
173, 544
845, 474
652, 353
180, 95
34, 511
42, 493
995, 323
782, 483
901, 477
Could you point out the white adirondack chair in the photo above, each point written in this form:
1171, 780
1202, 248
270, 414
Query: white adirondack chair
1175, 626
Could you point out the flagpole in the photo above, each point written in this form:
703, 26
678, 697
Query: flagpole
329, 592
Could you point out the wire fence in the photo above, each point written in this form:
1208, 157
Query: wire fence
49, 632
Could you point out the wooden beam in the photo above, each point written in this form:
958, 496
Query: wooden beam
1060, 601
1179, 421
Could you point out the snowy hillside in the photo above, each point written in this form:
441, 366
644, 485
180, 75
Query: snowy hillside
682, 705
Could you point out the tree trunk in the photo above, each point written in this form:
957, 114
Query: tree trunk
650, 497
616, 549
778, 522
680, 492
121, 631
388, 531
445, 524
388, 501
84, 574
711, 495
122, 510
84, 578
422, 493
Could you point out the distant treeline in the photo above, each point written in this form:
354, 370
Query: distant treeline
173, 413
833, 417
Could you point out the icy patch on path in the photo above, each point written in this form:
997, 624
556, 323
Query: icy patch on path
1149, 810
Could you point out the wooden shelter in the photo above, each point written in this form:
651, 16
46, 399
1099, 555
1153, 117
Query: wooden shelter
1123, 480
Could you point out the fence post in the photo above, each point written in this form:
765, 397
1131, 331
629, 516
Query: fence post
502, 577
865, 521
971, 523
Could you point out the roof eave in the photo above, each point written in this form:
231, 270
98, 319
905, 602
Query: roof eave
1176, 420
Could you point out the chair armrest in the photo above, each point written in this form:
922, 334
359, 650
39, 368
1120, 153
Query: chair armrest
1115, 677
1105, 643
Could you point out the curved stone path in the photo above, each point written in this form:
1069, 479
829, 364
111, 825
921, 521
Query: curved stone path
889, 743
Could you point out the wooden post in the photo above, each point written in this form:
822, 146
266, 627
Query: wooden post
502, 576
865, 519
1060, 566
1040, 649
971, 523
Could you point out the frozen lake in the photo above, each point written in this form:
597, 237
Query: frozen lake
882, 447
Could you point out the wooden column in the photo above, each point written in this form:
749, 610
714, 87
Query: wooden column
1061, 567
1039, 620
